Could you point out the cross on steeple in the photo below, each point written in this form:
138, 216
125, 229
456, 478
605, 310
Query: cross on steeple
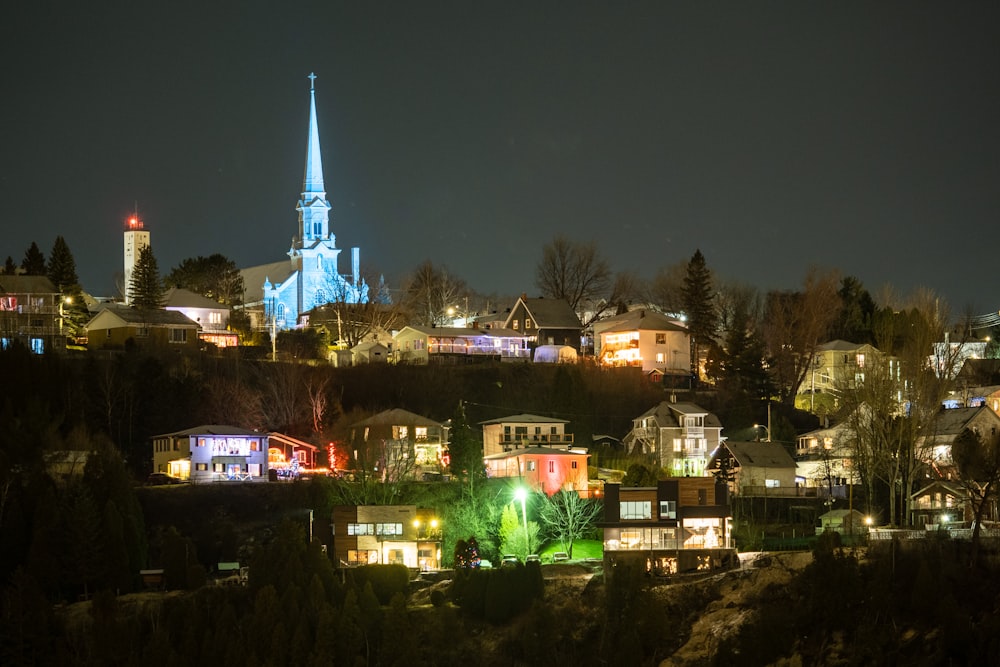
312, 81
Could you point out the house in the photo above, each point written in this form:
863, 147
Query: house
212, 453
942, 502
117, 327
845, 522
31, 314
211, 316
682, 524
755, 469
645, 339
972, 396
399, 444
824, 461
518, 431
934, 447
545, 322
288, 454
422, 345
387, 534
836, 364
543, 468
678, 437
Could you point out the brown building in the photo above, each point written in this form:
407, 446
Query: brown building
387, 534
31, 314
683, 524
117, 326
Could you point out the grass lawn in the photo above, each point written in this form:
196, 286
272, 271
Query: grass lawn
581, 549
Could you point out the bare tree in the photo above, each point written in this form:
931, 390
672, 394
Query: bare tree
573, 272
665, 290
351, 318
978, 463
567, 517
430, 291
795, 324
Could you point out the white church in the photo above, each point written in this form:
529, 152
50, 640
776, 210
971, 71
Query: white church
310, 277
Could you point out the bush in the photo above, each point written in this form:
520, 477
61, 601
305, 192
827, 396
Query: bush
386, 580
438, 598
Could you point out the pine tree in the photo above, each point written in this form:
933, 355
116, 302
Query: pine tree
465, 450
146, 289
9, 267
33, 263
62, 267
699, 306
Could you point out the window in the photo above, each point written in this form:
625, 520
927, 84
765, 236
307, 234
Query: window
531, 466
215, 318
255, 445
201, 467
771, 483
361, 529
219, 467
678, 444
661, 339
37, 346
142, 332
538, 430
660, 357
178, 335
527, 323
702, 496
573, 465
635, 509
552, 466
515, 323
668, 509
388, 529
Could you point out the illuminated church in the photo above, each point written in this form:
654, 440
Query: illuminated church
310, 277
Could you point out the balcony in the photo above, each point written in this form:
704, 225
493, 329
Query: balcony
537, 440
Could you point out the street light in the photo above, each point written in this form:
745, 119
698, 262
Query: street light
520, 493
767, 432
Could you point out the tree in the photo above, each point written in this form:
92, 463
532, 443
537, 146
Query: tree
146, 289
857, 309
215, 277
33, 263
566, 517
350, 320
573, 272
465, 451
430, 291
9, 267
739, 363
795, 324
513, 538
665, 290
699, 306
978, 463
62, 272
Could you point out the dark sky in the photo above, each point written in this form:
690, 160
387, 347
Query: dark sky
774, 136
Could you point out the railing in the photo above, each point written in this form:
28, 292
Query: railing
485, 350
694, 431
884, 534
537, 439
777, 492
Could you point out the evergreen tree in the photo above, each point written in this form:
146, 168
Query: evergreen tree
215, 277
856, 312
33, 263
146, 289
9, 267
62, 267
699, 306
465, 450
742, 359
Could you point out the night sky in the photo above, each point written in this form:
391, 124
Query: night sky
862, 136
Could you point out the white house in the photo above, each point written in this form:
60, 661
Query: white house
212, 453
643, 338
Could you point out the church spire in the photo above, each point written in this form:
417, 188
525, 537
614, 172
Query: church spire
313, 207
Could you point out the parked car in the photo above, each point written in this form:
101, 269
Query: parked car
509, 560
559, 556
162, 478
532, 558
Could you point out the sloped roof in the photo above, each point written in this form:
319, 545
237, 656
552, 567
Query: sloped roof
839, 346
760, 454
211, 429
397, 417
525, 419
289, 440
953, 421
549, 313
178, 297
26, 285
640, 320
540, 451
152, 316
254, 277
666, 413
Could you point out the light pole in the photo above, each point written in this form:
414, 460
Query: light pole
520, 493
767, 432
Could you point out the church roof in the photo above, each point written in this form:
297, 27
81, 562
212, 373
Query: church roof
254, 277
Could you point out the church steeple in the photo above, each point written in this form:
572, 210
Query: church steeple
313, 208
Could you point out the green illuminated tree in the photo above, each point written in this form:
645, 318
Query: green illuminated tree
146, 288
566, 517
465, 449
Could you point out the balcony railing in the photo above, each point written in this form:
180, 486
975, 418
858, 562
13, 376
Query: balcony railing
537, 439
485, 350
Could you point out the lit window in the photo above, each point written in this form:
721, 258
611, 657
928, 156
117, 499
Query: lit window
635, 509
201, 466
527, 323
215, 318
660, 357
531, 466
516, 322
678, 444
668, 509
661, 339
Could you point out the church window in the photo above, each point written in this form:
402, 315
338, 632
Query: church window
319, 262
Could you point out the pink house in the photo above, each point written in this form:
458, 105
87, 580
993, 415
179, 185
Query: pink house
546, 469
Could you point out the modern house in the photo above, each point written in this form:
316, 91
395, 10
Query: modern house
756, 469
212, 453
678, 437
547, 469
31, 314
681, 525
545, 322
399, 444
387, 534
645, 339
422, 345
519, 431
117, 327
